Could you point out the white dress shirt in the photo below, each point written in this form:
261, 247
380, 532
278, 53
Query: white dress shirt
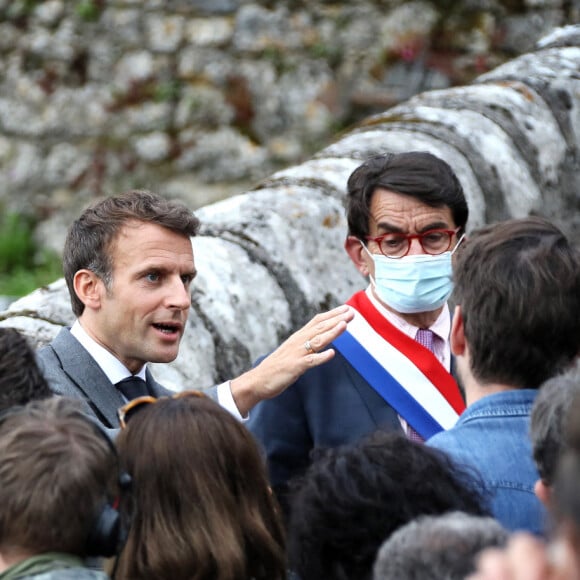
116, 371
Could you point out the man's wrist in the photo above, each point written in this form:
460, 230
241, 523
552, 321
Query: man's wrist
243, 392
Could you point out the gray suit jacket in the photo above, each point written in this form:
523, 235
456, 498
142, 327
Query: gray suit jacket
72, 372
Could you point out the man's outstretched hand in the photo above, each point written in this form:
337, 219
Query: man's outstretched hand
300, 352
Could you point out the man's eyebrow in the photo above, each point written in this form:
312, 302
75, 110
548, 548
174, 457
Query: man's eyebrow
163, 269
440, 225
391, 228
387, 227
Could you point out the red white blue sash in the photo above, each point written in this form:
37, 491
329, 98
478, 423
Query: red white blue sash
406, 374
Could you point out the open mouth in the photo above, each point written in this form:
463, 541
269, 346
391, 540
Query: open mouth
167, 328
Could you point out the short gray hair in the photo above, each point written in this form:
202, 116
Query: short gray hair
548, 421
440, 547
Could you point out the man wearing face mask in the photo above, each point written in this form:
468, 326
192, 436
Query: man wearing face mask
406, 216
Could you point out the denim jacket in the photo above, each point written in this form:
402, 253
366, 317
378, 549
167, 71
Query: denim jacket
492, 436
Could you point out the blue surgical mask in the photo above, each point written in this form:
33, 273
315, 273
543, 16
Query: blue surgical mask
412, 284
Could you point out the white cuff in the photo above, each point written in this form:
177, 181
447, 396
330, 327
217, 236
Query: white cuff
226, 400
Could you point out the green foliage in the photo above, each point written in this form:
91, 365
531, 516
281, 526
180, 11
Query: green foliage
23, 266
20, 9
16, 244
167, 91
331, 53
278, 57
88, 10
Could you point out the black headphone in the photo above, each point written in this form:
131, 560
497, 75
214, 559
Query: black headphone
108, 534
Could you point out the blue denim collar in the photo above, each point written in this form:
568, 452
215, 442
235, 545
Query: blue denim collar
514, 402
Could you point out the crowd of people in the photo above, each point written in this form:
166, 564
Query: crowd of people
429, 428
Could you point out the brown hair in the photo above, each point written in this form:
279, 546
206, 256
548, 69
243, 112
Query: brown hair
200, 506
57, 472
518, 284
417, 174
91, 236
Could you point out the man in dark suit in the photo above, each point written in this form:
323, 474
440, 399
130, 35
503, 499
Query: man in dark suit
406, 214
128, 263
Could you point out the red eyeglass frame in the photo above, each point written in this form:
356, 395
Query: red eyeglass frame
410, 237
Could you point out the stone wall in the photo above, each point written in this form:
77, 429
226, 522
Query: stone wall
272, 257
201, 98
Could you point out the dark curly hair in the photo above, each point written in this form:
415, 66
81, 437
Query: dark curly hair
353, 498
20, 378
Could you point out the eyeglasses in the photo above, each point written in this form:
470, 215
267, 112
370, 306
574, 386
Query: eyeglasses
128, 409
396, 245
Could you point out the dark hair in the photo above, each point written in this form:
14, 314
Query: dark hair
354, 497
443, 547
89, 240
518, 284
200, 507
417, 174
566, 504
57, 472
20, 378
548, 420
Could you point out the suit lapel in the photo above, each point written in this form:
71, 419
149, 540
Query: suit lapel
382, 414
154, 387
85, 373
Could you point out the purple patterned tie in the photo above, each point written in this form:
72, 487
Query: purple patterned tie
425, 338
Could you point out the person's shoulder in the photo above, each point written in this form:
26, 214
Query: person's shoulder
62, 339
445, 439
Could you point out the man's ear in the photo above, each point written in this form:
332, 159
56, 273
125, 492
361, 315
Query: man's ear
357, 254
543, 492
457, 335
89, 288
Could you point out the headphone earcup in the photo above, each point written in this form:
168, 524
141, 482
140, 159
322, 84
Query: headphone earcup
108, 534
105, 536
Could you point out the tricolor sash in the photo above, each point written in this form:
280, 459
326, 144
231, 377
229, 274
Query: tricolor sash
406, 374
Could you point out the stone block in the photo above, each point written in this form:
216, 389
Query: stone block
209, 31
164, 33
153, 147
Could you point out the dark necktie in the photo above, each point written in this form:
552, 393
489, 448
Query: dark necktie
425, 338
132, 387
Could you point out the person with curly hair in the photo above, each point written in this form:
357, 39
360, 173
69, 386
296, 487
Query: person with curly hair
353, 498
20, 378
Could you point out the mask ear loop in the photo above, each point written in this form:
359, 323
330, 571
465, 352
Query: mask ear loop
371, 256
457, 244
364, 246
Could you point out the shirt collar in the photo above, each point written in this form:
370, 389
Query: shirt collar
441, 327
114, 369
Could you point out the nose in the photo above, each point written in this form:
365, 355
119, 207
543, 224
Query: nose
415, 247
178, 295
